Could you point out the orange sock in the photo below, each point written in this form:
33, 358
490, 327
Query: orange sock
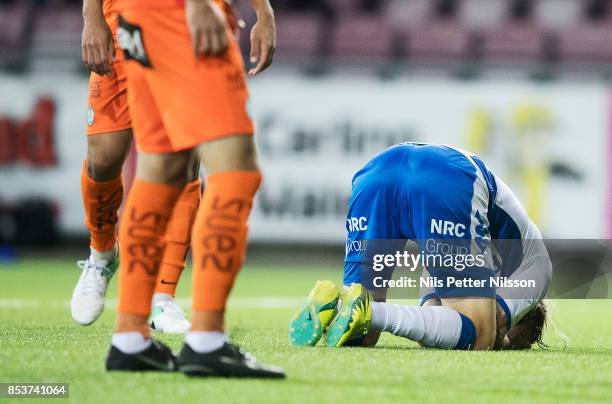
142, 237
101, 201
178, 238
220, 235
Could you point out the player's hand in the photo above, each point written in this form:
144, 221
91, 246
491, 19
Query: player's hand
263, 41
98, 46
206, 24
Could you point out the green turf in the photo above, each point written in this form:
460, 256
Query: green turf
39, 343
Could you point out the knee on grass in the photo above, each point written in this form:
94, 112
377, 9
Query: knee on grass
473, 336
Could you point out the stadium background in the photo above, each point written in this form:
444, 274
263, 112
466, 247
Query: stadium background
523, 83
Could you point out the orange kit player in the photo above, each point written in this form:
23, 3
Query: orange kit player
187, 92
109, 136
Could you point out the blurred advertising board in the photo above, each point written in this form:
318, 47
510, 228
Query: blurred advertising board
549, 142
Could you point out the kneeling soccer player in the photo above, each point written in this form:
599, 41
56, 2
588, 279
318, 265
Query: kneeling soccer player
442, 198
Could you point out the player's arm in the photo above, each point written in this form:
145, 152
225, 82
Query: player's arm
209, 37
263, 37
97, 39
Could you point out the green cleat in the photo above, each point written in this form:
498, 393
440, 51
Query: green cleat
308, 325
354, 319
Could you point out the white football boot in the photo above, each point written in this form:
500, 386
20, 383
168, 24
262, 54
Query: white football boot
168, 317
87, 303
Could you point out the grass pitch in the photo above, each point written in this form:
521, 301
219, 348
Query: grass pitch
40, 343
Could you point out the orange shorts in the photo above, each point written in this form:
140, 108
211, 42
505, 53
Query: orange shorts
107, 102
178, 101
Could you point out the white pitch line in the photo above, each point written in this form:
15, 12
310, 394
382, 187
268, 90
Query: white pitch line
264, 302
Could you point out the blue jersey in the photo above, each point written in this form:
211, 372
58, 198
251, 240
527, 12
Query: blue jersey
421, 192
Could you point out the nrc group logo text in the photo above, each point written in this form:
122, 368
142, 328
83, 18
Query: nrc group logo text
447, 228
357, 223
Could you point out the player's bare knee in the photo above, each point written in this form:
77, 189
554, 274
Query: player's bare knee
233, 153
106, 154
484, 323
176, 172
481, 312
485, 334
101, 168
166, 168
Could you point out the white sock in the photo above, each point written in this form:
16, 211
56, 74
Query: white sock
162, 297
434, 327
130, 342
108, 256
205, 341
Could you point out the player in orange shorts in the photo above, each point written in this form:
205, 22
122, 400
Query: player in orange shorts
109, 137
187, 92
